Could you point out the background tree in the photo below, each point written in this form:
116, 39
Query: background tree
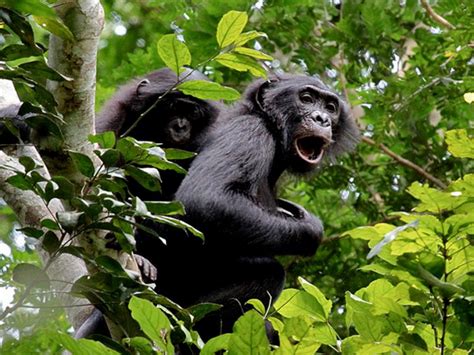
404, 66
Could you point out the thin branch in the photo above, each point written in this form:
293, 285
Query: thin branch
437, 18
405, 162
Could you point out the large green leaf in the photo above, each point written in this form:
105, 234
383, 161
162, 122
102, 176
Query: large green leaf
208, 90
153, 322
230, 27
249, 336
174, 53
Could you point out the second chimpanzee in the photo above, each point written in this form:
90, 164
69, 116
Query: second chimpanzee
149, 109
287, 123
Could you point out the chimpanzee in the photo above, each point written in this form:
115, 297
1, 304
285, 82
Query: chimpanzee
177, 121
287, 123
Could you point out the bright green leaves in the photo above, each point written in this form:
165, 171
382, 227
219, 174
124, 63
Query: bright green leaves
249, 336
153, 322
231, 40
174, 53
241, 63
459, 144
208, 90
230, 36
306, 314
230, 27
429, 260
83, 346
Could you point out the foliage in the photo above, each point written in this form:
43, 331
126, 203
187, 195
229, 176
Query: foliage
410, 81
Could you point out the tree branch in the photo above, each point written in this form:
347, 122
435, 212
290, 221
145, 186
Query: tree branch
75, 98
405, 162
437, 18
30, 209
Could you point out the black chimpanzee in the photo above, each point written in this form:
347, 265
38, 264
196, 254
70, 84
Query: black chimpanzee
287, 123
148, 109
176, 121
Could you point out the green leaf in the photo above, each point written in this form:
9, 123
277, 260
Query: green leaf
69, 220
83, 163
216, 344
247, 36
177, 224
110, 265
178, 154
50, 242
31, 232
83, 346
204, 90
325, 334
253, 53
153, 322
149, 178
230, 27
459, 144
30, 275
50, 224
174, 53
110, 157
55, 26
257, 304
27, 162
65, 189
40, 70
20, 182
432, 200
199, 311
105, 140
249, 335
16, 51
325, 304
18, 24
294, 303
241, 63
141, 345
165, 207
34, 7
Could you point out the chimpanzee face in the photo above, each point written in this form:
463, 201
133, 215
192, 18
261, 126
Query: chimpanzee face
318, 112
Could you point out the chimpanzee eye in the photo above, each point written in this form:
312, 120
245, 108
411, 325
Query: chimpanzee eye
331, 107
306, 97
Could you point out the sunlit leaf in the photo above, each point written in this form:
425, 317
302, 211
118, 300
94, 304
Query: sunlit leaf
174, 53
230, 27
208, 90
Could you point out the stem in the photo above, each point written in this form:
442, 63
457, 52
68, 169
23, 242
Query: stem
445, 321
405, 162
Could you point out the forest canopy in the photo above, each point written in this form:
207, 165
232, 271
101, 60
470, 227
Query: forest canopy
394, 271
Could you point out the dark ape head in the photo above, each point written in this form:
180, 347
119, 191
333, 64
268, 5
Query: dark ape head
310, 121
177, 120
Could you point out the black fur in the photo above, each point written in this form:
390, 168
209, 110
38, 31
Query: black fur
177, 121
230, 195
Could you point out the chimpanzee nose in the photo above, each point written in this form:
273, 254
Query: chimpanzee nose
321, 118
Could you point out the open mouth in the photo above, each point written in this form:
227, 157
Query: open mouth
311, 149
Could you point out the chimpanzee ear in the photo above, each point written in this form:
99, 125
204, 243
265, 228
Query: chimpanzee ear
256, 92
141, 85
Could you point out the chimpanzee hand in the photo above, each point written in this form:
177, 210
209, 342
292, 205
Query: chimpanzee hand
148, 270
